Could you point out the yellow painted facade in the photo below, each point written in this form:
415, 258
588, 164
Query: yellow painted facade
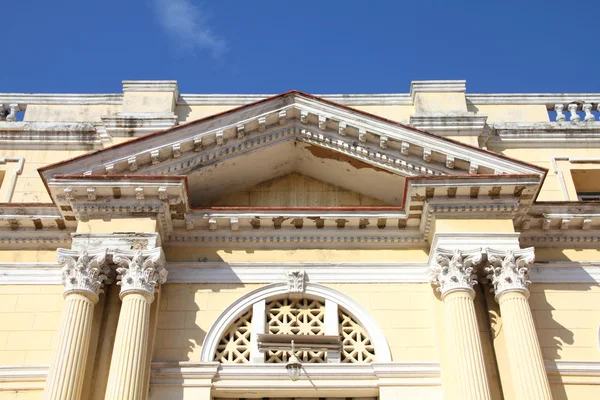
428, 296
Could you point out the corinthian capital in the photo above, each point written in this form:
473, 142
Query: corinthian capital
84, 271
140, 270
453, 270
508, 269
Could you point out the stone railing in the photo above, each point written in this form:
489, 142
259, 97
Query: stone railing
8, 112
572, 109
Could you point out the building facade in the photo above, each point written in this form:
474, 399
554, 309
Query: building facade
428, 245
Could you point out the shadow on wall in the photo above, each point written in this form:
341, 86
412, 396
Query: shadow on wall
187, 311
553, 305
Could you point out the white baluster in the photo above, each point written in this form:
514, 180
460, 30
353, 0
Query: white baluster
559, 112
13, 110
573, 110
587, 109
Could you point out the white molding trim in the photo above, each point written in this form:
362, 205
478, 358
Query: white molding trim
150, 86
216, 331
531, 98
346, 272
30, 274
23, 378
366, 378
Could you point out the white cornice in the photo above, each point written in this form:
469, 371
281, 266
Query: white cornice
151, 86
60, 99
532, 98
459, 86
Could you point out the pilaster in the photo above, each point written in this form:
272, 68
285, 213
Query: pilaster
509, 273
84, 275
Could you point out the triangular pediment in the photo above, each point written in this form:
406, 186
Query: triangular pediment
289, 133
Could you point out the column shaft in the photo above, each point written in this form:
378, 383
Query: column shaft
65, 375
464, 347
528, 372
127, 367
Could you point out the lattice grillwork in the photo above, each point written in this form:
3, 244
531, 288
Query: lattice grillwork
234, 347
295, 317
356, 345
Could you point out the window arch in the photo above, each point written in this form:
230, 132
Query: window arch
231, 338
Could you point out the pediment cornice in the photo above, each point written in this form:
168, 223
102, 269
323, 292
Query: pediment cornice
149, 176
292, 116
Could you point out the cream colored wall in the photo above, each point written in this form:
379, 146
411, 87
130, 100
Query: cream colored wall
395, 113
185, 253
187, 311
29, 187
187, 113
69, 112
403, 312
295, 190
29, 315
443, 102
511, 113
148, 102
551, 190
567, 318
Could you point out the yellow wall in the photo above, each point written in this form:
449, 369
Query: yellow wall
403, 312
511, 113
178, 253
294, 190
70, 112
567, 317
29, 316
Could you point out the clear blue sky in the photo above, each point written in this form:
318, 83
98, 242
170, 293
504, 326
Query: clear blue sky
317, 46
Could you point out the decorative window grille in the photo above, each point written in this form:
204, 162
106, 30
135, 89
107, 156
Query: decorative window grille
234, 347
295, 317
356, 345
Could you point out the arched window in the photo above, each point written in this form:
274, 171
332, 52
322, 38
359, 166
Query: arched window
326, 326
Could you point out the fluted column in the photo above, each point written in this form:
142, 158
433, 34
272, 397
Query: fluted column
83, 275
453, 272
508, 271
140, 273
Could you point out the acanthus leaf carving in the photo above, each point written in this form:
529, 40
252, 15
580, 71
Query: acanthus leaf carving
453, 270
140, 270
296, 279
84, 271
508, 270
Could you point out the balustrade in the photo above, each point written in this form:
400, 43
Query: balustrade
590, 111
8, 112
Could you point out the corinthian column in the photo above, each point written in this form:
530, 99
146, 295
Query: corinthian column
508, 271
140, 273
453, 272
83, 275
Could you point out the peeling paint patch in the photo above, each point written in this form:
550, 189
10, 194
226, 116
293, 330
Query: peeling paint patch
320, 152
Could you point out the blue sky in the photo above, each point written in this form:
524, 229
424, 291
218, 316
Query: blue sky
317, 46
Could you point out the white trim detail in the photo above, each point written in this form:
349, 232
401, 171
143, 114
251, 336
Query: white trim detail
217, 272
382, 350
258, 328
